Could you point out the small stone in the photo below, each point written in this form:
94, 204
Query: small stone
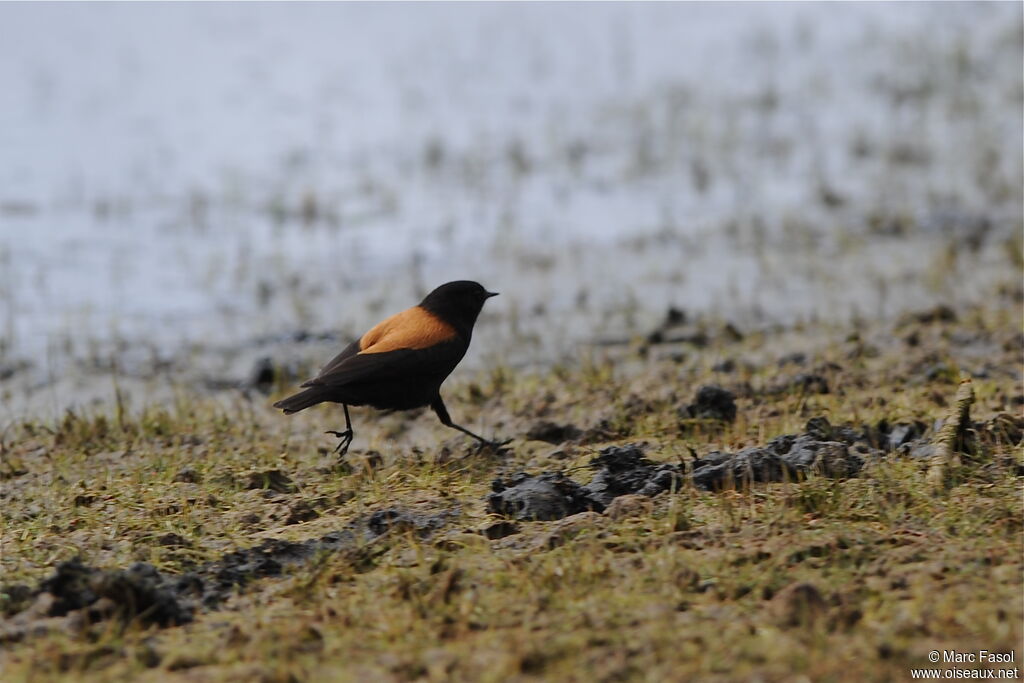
629, 505
566, 529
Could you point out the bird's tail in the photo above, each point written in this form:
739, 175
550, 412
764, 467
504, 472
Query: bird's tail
301, 400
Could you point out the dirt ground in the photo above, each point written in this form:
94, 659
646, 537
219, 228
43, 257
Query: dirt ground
696, 503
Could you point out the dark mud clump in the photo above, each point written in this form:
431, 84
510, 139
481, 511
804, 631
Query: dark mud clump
822, 450
543, 497
500, 530
142, 593
399, 520
786, 458
552, 433
137, 592
977, 439
211, 584
622, 470
712, 403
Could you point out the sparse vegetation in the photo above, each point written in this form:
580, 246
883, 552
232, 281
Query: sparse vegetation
838, 578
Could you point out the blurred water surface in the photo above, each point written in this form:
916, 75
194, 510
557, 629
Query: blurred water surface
181, 175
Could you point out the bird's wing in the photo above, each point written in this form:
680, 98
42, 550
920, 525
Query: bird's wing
434, 361
349, 351
382, 352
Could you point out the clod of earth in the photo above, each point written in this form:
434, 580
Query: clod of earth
712, 403
1005, 428
144, 594
786, 458
500, 530
629, 505
553, 433
139, 593
941, 313
823, 450
263, 375
398, 519
543, 497
187, 475
621, 470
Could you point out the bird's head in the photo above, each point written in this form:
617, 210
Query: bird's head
458, 303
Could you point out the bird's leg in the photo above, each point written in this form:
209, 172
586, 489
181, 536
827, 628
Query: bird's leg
442, 414
345, 436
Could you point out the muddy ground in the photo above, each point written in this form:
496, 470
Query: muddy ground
699, 502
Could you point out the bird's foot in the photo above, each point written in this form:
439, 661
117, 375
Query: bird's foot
345, 440
494, 446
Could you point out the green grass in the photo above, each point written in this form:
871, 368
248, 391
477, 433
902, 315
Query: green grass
691, 585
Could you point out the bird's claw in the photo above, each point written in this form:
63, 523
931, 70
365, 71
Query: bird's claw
495, 446
345, 440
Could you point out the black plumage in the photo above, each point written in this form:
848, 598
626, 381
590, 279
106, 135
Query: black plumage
401, 362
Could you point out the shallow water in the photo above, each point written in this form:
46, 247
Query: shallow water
197, 176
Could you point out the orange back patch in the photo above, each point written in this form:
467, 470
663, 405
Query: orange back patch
414, 328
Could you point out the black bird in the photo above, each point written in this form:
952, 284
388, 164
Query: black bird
401, 363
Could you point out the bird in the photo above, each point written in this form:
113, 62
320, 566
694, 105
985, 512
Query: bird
401, 362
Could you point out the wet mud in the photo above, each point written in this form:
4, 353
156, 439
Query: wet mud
712, 403
822, 449
542, 497
553, 433
619, 470
786, 458
623, 480
77, 595
622, 470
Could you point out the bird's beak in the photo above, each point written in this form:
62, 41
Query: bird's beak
490, 294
